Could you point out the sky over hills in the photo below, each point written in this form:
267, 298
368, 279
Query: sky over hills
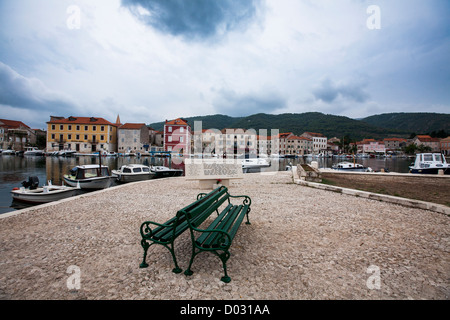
151, 60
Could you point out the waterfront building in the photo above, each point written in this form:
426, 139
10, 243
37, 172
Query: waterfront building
133, 138
15, 135
319, 141
82, 134
445, 146
428, 141
299, 146
394, 144
371, 146
177, 136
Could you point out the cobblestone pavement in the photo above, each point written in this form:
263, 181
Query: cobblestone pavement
303, 243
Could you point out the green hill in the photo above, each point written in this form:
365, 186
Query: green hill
411, 122
378, 126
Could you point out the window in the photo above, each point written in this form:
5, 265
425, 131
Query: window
102, 128
181, 139
61, 127
78, 128
69, 137
169, 129
102, 137
77, 137
53, 136
181, 129
86, 128
94, 128
169, 139
69, 127
85, 137
53, 127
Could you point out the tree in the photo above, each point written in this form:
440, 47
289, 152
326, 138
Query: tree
410, 149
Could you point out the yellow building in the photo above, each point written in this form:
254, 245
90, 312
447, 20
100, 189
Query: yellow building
81, 134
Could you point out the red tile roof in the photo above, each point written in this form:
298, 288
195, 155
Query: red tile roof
81, 120
13, 124
177, 121
134, 126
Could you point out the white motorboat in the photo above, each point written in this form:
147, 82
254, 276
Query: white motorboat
351, 166
89, 177
132, 173
164, 172
255, 163
430, 163
8, 152
30, 192
33, 151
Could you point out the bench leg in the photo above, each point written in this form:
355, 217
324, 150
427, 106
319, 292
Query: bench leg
188, 271
248, 221
144, 264
177, 269
144, 245
224, 257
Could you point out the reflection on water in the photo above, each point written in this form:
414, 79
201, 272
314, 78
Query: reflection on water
14, 169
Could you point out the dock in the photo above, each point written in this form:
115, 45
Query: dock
303, 243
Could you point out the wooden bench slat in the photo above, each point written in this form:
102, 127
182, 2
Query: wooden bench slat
213, 224
223, 225
238, 222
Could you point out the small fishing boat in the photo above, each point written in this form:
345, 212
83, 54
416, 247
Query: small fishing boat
164, 172
255, 163
89, 177
30, 192
33, 151
351, 166
430, 163
132, 173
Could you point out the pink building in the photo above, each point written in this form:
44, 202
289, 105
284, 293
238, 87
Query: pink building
371, 146
177, 136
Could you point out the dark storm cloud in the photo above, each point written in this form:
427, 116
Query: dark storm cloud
234, 104
194, 19
328, 91
20, 92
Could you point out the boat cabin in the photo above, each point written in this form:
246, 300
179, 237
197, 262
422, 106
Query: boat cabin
89, 171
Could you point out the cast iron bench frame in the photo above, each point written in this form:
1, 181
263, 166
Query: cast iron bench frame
218, 236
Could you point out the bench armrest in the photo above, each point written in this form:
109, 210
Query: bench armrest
223, 239
247, 200
146, 230
201, 195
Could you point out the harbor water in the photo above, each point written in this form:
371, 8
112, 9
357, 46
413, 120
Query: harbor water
16, 169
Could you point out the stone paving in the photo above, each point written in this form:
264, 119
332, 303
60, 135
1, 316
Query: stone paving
303, 243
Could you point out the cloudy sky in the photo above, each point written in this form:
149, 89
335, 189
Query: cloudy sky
151, 60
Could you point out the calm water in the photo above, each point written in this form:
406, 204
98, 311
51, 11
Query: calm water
15, 169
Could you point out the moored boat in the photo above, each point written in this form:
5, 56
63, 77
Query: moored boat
164, 172
33, 151
89, 177
351, 166
430, 163
30, 192
132, 173
255, 163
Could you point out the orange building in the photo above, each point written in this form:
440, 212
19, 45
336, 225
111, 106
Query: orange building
82, 134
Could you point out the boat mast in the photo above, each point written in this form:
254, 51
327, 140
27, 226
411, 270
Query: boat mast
100, 164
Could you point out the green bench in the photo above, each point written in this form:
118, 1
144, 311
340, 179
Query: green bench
215, 238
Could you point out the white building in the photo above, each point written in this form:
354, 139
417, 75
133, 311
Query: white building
133, 137
319, 142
